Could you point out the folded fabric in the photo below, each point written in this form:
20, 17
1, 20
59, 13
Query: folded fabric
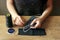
33, 32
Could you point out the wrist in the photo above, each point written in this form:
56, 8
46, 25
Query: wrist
41, 19
14, 14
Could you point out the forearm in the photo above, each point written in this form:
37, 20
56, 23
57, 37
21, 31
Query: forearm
45, 13
11, 8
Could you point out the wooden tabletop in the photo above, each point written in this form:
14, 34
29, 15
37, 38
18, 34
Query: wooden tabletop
51, 24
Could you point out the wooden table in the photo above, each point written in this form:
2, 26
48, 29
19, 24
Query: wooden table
51, 24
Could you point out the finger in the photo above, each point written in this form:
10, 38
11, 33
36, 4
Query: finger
32, 27
14, 20
33, 22
21, 21
17, 22
20, 24
37, 24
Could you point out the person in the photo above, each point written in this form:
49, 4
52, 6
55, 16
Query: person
17, 8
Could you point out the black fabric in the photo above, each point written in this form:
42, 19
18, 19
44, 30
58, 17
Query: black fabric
37, 31
27, 24
29, 7
32, 32
30, 20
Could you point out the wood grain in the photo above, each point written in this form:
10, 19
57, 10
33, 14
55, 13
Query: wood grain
51, 24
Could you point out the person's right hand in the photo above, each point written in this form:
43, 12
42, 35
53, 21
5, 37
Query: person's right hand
17, 20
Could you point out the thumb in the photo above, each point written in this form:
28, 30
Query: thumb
21, 20
32, 22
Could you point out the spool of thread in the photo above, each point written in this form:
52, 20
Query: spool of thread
11, 30
9, 21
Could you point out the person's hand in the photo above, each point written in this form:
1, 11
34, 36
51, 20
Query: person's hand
38, 23
17, 20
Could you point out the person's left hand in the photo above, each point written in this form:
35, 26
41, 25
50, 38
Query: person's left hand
38, 23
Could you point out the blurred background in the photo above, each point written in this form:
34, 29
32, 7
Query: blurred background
55, 11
